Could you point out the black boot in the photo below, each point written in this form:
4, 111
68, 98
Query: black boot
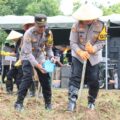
93, 92
73, 95
48, 105
19, 104
9, 87
32, 90
91, 102
71, 105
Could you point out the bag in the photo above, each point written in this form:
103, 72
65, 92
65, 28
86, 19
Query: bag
49, 66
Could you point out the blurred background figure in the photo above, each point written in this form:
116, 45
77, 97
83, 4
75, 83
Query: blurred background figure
15, 72
6, 63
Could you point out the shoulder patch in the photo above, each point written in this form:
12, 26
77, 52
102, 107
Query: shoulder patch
74, 29
103, 34
49, 41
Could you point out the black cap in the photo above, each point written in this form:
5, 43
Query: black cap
41, 19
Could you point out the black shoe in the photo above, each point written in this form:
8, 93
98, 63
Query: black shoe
48, 106
32, 94
71, 106
18, 107
91, 106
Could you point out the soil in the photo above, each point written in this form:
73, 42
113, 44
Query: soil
107, 107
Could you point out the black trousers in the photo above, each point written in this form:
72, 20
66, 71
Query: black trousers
19, 76
27, 81
5, 71
10, 76
91, 76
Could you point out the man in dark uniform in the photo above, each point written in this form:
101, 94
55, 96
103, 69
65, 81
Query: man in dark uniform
5, 63
14, 72
34, 50
87, 39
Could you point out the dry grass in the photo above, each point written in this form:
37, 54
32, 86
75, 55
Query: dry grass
107, 107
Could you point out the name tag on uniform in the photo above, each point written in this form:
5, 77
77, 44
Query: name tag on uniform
10, 58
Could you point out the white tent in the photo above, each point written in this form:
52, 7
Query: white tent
16, 22
60, 21
114, 18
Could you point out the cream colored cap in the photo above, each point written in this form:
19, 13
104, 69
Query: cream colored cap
87, 12
14, 35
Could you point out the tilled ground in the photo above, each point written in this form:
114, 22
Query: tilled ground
107, 107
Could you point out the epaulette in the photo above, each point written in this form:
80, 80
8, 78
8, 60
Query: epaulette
34, 32
74, 28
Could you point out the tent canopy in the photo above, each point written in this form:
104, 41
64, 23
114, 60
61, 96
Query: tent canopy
114, 18
62, 22
16, 22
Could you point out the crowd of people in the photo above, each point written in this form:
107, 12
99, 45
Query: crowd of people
31, 50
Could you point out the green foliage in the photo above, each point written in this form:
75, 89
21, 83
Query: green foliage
16, 7
76, 5
19, 6
106, 10
48, 7
112, 9
32, 8
5, 8
3, 36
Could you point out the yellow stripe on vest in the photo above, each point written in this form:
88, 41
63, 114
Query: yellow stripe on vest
103, 34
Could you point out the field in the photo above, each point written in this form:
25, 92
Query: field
107, 107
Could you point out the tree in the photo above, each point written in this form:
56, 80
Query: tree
112, 9
5, 9
3, 36
76, 5
19, 6
16, 7
106, 10
48, 7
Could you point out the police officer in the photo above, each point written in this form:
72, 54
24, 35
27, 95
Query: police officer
26, 26
6, 63
87, 39
14, 72
34, 50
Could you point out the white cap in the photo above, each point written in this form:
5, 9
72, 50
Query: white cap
14, 35
87, 12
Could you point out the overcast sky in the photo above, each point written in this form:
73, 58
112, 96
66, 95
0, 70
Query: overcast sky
67, 5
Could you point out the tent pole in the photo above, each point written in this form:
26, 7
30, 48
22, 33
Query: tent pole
1, 82
106, 65
106, 55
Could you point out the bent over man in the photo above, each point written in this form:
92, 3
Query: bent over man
86, 40
34, 50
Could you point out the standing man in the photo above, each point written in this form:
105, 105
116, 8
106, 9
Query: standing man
14, 73
26, 26
6, 63
34, 50
86, 40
